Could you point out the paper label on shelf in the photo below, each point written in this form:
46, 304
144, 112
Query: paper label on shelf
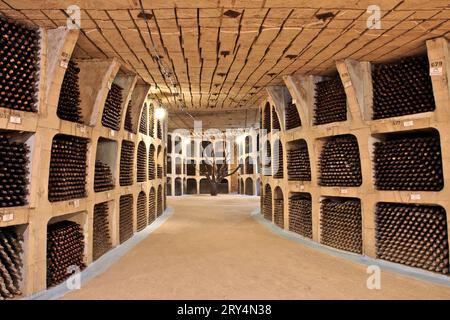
408, 123
109, 85
7, 217
15, 119
302, 187
344, 191
112, 133
108, 195
131, 136
347, 84
76, 203
64, 64
415, 196
65, 57
436, 68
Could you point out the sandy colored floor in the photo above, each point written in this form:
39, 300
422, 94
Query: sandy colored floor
211, 248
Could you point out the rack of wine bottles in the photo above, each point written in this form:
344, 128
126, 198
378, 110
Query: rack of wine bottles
141, 162
11, 265
151, 163
126, 163
410, 161
267, 124
300, 215
292, 117
126, 217
65, 251
19, 59
414, 235
103, 179
128, 124
330, 101
141, 211
151, 206
277, 168
158, 130
69, 96
340, 224
67, 177
278, 211
112, 111
401, 88
14, 159
267, 208
275, 120
159, 171
101, 235
159, 202
339, 162
143, 124
151, 120
298, 166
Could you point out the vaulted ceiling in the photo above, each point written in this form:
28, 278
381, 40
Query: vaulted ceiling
224, 61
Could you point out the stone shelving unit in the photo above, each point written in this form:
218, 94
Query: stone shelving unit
357, 81
38, 130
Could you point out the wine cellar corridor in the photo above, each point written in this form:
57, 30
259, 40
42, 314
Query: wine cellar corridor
224, 149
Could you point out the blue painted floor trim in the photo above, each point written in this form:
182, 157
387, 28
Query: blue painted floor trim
104, 262
365, 260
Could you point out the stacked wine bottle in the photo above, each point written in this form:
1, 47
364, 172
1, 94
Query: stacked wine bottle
159, 203
112, 111
278, 212
19, 58
151, 120
412, 162
11, 250
278, 170
69, 96
141, 162
126, 218
101, 236
126, 163
292, 117
67, 178
267, 124
158, 130
401, 88
103, 179
128, 125
65, 250
298, 166
340, 224
141, 211
300, 214
340, 163
13, 171
275, 120
159, 171
414, 235
143, 124
267, 208
151, 163
151, 206
330, 101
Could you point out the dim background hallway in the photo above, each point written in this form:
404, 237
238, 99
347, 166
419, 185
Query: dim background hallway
212, 248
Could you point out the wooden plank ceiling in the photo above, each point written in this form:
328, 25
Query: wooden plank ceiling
222, 62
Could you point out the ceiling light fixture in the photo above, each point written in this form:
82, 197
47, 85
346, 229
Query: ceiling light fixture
324, 16
231, 14
160, 113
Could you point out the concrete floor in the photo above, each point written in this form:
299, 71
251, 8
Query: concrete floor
211, 248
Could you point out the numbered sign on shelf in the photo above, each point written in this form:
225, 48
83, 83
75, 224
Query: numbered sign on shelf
6, 217
415, 196
436, 68
15, 119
